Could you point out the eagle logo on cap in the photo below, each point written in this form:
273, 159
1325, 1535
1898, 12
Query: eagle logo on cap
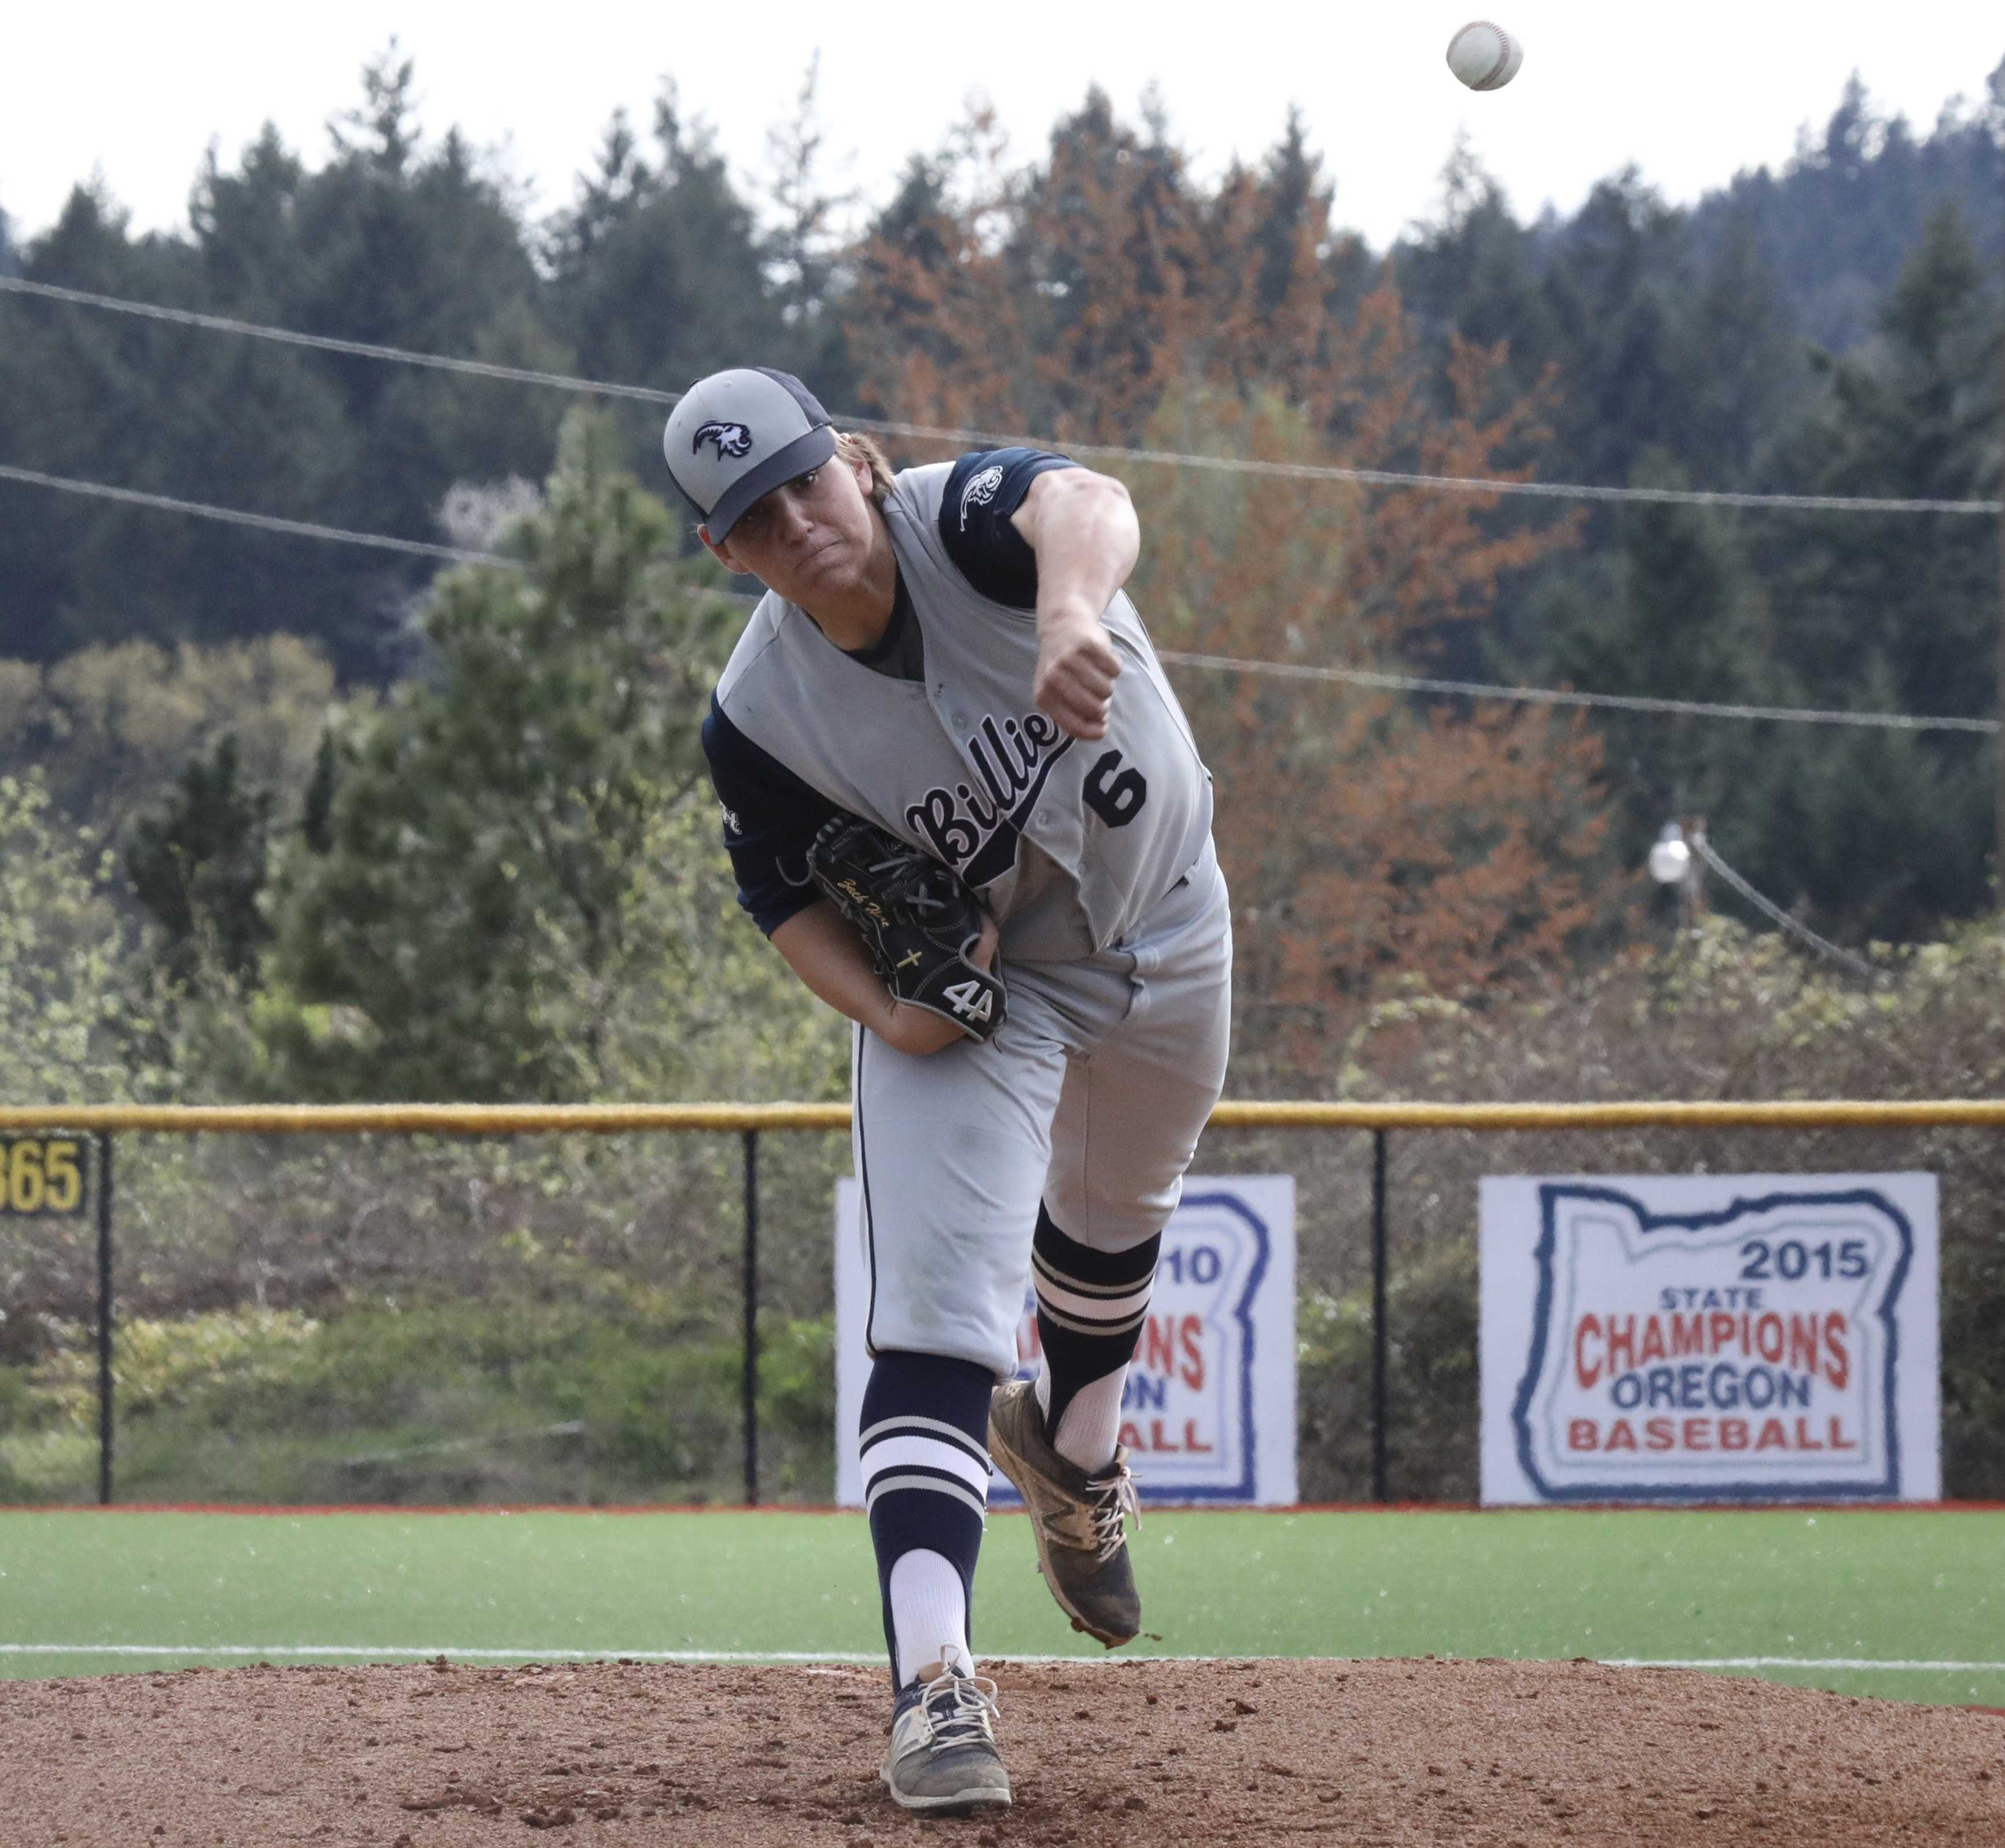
730, 439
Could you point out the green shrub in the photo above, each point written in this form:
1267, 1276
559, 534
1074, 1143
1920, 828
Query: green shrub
450, 1401
1724, 1014
1431, 1387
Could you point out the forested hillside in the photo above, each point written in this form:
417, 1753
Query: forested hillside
282, 818
1830, 327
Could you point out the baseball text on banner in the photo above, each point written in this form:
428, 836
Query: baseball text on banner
1208, 1414
1710, 1337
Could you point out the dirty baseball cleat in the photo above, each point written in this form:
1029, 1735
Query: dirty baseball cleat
1082, 1543
942, 1753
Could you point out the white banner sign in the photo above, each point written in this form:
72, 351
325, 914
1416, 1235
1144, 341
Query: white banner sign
1720, 1337
1208, 1414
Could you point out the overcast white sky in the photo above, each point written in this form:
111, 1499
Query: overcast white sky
1690, 91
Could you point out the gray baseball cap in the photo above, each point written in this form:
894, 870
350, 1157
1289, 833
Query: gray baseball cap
737, 435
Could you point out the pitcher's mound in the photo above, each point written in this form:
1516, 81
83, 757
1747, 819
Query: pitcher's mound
1482, 1755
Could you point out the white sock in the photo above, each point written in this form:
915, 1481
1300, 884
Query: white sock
929, 1611
1091, 1426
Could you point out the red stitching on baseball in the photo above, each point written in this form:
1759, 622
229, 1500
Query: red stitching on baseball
1489, 79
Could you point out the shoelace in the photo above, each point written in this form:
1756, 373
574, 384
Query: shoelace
961, 1710
1113, 1496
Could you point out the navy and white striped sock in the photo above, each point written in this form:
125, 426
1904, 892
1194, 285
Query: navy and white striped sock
924, 1445
1091, 1306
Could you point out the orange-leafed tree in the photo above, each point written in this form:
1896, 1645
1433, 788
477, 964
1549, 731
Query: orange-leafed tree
1106, 298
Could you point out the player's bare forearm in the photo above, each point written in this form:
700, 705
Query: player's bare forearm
826, 953
1082, 529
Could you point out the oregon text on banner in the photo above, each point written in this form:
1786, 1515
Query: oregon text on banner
1709, 1338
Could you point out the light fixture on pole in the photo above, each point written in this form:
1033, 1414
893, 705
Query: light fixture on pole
1678, 859
1670, 858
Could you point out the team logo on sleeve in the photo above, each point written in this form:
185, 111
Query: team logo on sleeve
730, 439
980, 491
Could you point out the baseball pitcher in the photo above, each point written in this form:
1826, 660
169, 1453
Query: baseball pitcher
961, 800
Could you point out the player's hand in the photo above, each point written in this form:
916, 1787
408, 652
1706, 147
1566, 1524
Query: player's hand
1076, 668
919, 1030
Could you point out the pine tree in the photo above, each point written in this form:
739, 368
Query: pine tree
198, 867
1674, 612
803, 248
467, 901
659, 271
1887, 836
392, 242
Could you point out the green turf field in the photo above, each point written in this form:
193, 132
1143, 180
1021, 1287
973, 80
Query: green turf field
1906, 1604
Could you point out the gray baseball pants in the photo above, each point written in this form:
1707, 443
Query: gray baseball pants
1090, 1097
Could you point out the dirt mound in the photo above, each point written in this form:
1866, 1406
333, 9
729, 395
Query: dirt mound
1387, 1753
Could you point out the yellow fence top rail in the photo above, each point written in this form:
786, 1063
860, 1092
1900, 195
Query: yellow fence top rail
619, 1119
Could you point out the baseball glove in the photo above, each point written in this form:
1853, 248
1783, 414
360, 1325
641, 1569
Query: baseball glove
918, 920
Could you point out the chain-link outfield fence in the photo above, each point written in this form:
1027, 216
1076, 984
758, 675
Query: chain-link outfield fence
440, 1304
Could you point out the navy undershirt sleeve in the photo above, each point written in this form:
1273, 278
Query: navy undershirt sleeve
770, 818
984, 489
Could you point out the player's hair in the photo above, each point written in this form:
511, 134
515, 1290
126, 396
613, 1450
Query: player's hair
852, 446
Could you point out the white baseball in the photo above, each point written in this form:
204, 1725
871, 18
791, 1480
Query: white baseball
1483, 56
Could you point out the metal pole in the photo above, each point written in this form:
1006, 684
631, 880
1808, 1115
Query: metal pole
1380, 1492
751, 1384
104, 1315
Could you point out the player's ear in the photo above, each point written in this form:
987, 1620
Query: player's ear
722, 553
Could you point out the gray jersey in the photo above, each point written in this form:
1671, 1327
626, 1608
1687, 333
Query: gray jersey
1070, 842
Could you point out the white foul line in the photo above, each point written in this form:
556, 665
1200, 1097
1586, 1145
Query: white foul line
430, 1651
1845, 1662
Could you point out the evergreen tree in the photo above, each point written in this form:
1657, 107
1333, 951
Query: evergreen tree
402, 246
1475, 272
658, 270
78, 394
1294, 199
1835, 225
467, 901
1739, 367
1671, 612
198, 867
1913, 416
803, 249
1888, 835
1608, 290
317, 813
389, 242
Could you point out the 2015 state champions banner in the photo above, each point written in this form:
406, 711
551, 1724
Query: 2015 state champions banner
1208, 1413
1728, 1337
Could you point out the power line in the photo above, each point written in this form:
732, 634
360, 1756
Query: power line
361, 350
305, 529
1770, 910
928, 433
1408, 683
1544, 695
1390, 478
